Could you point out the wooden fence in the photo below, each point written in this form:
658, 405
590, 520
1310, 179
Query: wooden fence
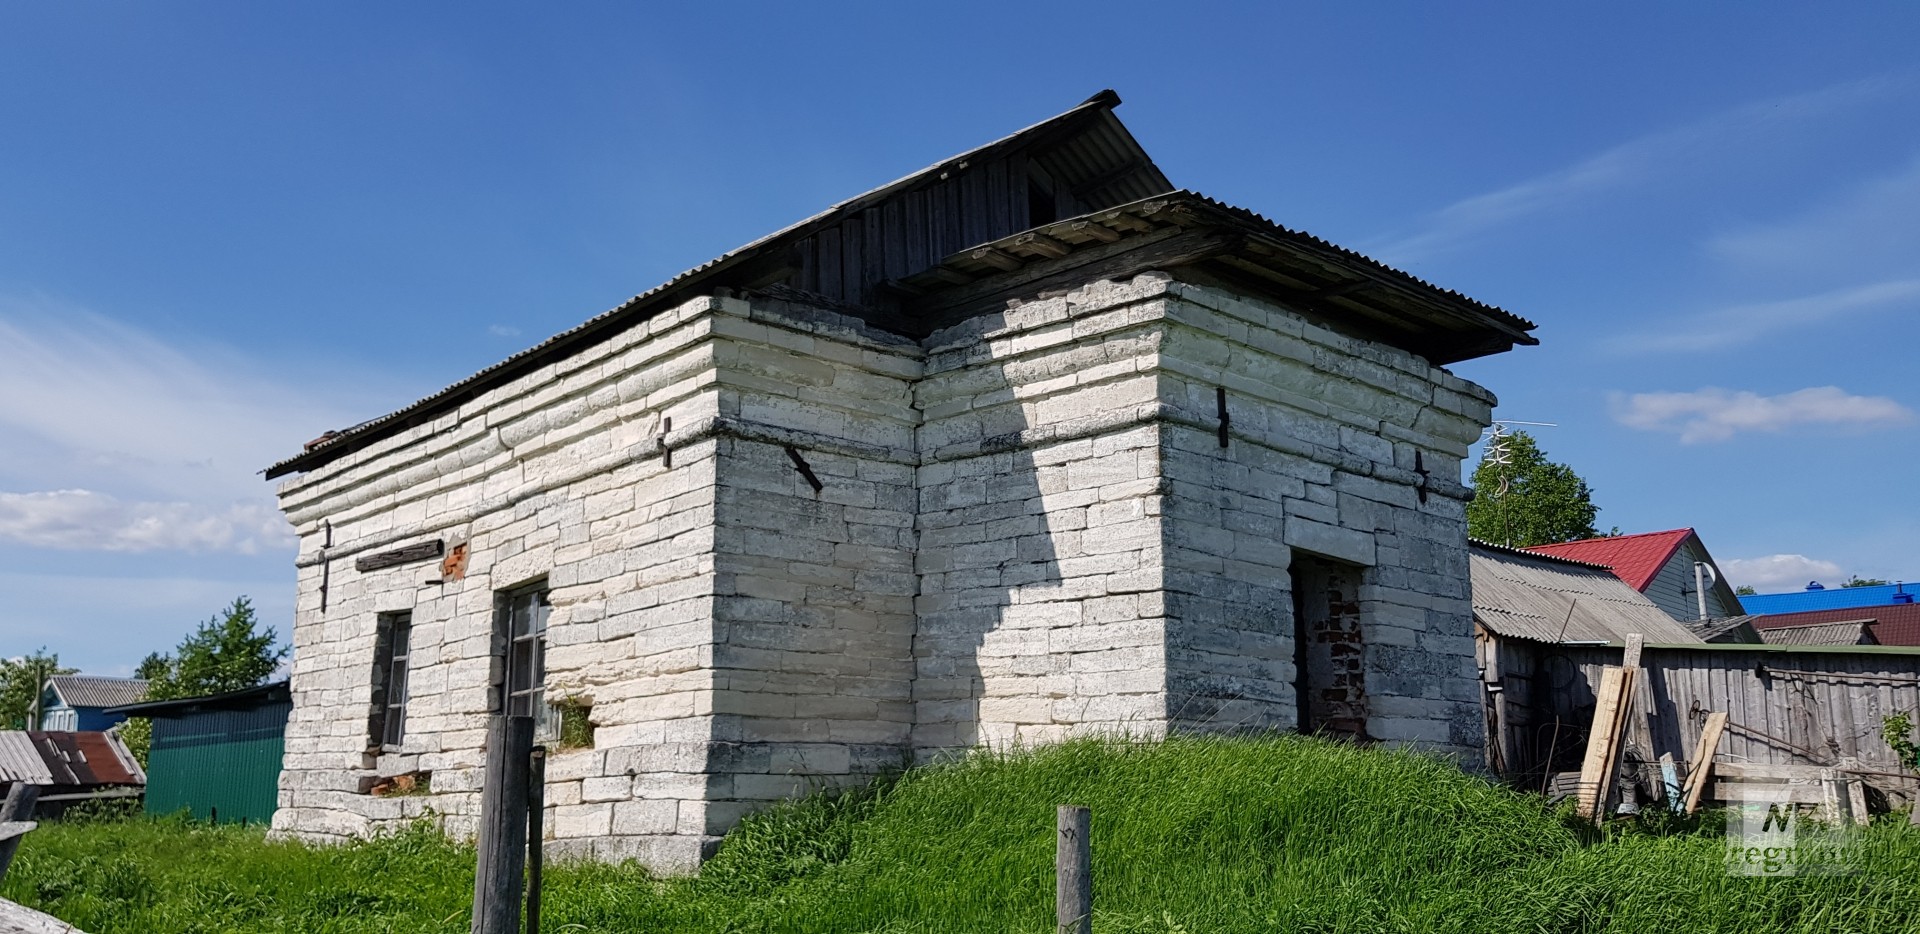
1785, 705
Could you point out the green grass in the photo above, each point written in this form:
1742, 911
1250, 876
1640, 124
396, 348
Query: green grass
1190, 835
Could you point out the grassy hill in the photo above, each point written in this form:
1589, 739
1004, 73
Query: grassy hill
1190, 835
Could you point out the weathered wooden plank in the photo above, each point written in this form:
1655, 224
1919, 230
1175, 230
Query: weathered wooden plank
1073, 870
1601, 743
501, 857
1769, 793
15, 811
19, 919
419, 551
1702, 765
1748, 771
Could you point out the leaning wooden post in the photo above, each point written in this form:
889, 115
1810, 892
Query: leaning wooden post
536, 833
19, 807
500, 867
1073, 871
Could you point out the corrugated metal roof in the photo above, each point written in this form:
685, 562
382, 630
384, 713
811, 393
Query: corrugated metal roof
93, 691
1898, 624
20, 760
59, 758
1636, 558
1527, 596
1843, 632
1832, 598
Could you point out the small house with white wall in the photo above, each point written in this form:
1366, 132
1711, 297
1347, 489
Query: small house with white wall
1026, 445
1672, 568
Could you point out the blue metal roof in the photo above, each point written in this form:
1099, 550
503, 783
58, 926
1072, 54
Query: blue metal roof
1832, 598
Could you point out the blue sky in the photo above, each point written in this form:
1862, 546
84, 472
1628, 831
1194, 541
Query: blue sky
226, 228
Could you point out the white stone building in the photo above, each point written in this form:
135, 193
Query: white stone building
1022, 446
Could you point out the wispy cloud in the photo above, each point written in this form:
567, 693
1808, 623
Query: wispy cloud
1737, 325
1778, 573
1714, 414
1874, 225
502, 330
114, 439
1627, 163
83, 519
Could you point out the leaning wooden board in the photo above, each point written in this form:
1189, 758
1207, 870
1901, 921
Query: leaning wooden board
1603, 741
19, 919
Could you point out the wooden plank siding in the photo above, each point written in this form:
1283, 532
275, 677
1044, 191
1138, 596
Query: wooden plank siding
848, 261
1673, 588
1808, 709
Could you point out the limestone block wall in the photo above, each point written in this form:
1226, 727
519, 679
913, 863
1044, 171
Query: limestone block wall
555, 477
1039, 562
784, 550
1327, 435
814, 600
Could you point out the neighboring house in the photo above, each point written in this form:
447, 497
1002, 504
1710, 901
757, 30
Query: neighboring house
70, 767
1817, 597
1666, 566
1842, 632
1023, 446
80, 702
1525, 604
1892, 624
1547, 627
217, 757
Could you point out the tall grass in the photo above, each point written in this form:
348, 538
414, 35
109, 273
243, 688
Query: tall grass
1190, 835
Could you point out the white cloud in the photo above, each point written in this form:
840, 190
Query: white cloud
1743, 324
502, 330
1627, 163
114, 439
1780, 573
1714, 414
83, 519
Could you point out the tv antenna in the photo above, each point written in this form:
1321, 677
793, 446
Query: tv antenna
1499, 454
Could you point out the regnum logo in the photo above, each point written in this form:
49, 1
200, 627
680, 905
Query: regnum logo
1784, 838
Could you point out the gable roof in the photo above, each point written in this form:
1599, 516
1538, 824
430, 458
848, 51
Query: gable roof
1897, 624
94, 691
1522, 595
1636, 558
1113, 191
1841, 632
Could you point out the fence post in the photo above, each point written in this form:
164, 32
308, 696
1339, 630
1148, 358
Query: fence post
18, 807
536, 833
1073, 871
501, 864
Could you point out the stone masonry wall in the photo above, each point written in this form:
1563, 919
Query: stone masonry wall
784, 550
1325, 434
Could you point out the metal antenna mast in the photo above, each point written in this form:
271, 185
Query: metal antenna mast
1501, 456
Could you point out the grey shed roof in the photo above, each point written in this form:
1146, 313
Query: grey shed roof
1844, 632
91, 691
20, 760
1521, 595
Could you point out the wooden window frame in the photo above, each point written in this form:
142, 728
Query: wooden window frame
392, 654
520, 622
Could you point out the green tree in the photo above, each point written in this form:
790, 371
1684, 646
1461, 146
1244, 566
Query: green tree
1854, 580
1745, 590
21, 681
227, 653
1524, 499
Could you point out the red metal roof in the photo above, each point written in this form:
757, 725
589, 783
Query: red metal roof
1895, 624
1636, 559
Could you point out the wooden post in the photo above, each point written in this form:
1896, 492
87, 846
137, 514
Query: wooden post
1702, 765
536, 833
18, 807
1073, 871
500, 867
1603, 741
